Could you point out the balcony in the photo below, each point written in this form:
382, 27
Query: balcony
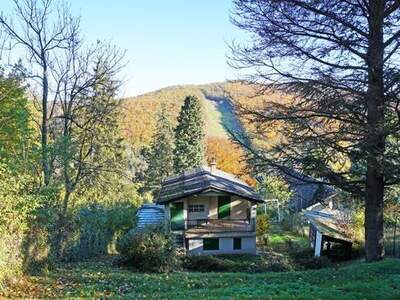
218, 225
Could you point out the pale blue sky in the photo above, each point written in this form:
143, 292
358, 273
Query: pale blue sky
168, 42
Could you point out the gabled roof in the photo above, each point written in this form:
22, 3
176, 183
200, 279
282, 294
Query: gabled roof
202, 180
306, 190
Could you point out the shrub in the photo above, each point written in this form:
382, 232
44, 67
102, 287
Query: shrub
149, 250
357, 226
95, 229
262, 226
315, 262
280, 266
236, 263
208, 263
305, 259
19, 206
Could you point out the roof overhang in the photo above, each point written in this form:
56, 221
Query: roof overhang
208, 190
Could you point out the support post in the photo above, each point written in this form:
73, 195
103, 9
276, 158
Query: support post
318, 244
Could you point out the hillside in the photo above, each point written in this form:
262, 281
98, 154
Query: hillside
140, 111
219, 114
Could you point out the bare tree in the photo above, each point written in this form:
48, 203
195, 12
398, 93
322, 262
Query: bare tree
43, 29
338, 61
77, 86
86, 130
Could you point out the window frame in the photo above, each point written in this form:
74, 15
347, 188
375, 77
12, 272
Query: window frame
196, 207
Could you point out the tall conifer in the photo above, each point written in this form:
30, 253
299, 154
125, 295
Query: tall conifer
189, 135
160, 156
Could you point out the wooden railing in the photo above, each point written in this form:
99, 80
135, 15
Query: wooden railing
219, 225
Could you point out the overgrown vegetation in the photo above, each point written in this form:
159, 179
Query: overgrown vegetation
267, 262
65, 192
262, 227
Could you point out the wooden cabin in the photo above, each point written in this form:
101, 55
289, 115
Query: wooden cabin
210, 211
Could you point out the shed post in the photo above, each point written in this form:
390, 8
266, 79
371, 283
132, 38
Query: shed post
318, 244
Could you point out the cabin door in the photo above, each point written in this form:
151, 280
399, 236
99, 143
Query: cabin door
177, 218
224, 207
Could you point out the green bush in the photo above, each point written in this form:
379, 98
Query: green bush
357, 226
149, 250
262, 227
315, 262
236, 263
305, 259
95, 229
208, 263
19, 206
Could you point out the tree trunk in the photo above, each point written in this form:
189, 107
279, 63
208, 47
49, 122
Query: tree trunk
62, 228
68, 186
44, 127
374, 215
375, 136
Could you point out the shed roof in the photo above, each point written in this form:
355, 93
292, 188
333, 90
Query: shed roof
326, 223
150, 215
202, 180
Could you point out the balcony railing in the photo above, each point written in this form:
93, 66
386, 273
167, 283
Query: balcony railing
219, 225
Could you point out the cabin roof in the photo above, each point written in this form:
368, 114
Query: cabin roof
202, 180
306, 190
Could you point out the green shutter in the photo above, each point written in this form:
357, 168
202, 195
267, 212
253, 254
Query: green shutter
211, 244
224, 207
177, 219
237, 243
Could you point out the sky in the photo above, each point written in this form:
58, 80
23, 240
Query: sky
167, 42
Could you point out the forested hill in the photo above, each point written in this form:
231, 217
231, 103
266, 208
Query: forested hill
140, 111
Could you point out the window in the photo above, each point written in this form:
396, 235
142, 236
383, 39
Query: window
211, 244
187, 244
237, 243
196, 208
224, 207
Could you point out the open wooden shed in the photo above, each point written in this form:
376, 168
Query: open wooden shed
327, 236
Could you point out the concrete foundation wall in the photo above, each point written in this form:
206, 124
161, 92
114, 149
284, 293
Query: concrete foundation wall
225, 246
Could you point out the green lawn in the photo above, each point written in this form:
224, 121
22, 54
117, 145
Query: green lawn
101, 280
280, 240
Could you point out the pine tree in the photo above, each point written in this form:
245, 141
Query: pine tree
160, 156
337, 63
189, 134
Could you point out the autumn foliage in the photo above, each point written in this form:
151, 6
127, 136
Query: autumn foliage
229, 157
